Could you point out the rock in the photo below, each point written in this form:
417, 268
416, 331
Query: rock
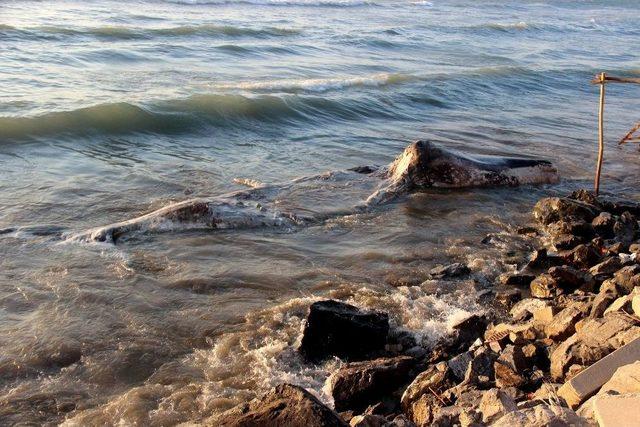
447, 416
563, 324
459, 364
566, 241
543, 415
480, 370
625, 228
509, 367
583, 256
360, 384
595, 339
516, 279
603, 225
337, 329
609, 292
635, 305
554, 209
570, 279
623, 303
626, 379
494, 404
617, 410
368, 420
453, 270
540, 259
287, 406
544, 316
524, 309
606, 268
577, 228
464, 334
402, 421
545, 286
418, 401
508, 297
628, 277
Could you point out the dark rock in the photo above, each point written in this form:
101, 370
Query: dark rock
458, 365
628, 277
527, 230
606, 268
609, 292
570, 279
625, 228
567, 241
603, 225
360, 384
368, 420
554, 209
578, 228
516, 279
583, 256
545, 286
453, 270
540, 259
447, 416
510, 366
616, 248
284, 406
464, 334
509, 297
480, 371
334, 328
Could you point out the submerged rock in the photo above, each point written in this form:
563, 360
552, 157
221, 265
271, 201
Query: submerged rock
285, 405
334, 328
360, 384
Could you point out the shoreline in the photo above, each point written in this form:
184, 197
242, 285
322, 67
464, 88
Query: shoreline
525, 361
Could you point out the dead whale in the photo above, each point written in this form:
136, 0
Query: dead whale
421, 165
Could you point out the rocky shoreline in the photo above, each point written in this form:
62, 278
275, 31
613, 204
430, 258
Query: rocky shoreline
565, 351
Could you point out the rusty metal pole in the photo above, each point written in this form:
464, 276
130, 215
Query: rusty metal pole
600, 133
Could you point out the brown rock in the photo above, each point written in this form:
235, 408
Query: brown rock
419, 401
566, 241
360, 384
368, 420
509, 367
524, 309
583, 256
563, 324
628, 277
603, 225
609, 292
284, 406
606, 268
494, 404
543, 415
516, 279
596, 339
545, 286
571, 279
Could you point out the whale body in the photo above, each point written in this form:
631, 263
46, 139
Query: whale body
420, 166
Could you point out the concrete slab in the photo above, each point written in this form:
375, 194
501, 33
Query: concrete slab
589, 381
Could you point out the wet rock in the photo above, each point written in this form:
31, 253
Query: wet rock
578, 228
594, 340
545, 286
508, 297
464, 334
446, 271
554, 209
287, 406
563, 324
540, 259
570, 279
334, 328
496, 403
510, 366
360, 384
543, 415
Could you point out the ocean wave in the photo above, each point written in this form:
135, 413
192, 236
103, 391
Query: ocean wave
133, 33
187, 114
302, 3
320, 85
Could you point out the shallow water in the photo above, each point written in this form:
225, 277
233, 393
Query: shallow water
111, 109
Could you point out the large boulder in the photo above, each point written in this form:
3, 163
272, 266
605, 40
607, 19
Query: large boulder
357, 385
334, 328
595, 339
284, 406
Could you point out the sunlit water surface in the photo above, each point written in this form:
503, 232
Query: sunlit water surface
111, 109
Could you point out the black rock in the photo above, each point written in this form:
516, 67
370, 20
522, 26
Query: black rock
453, 270
334, 328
